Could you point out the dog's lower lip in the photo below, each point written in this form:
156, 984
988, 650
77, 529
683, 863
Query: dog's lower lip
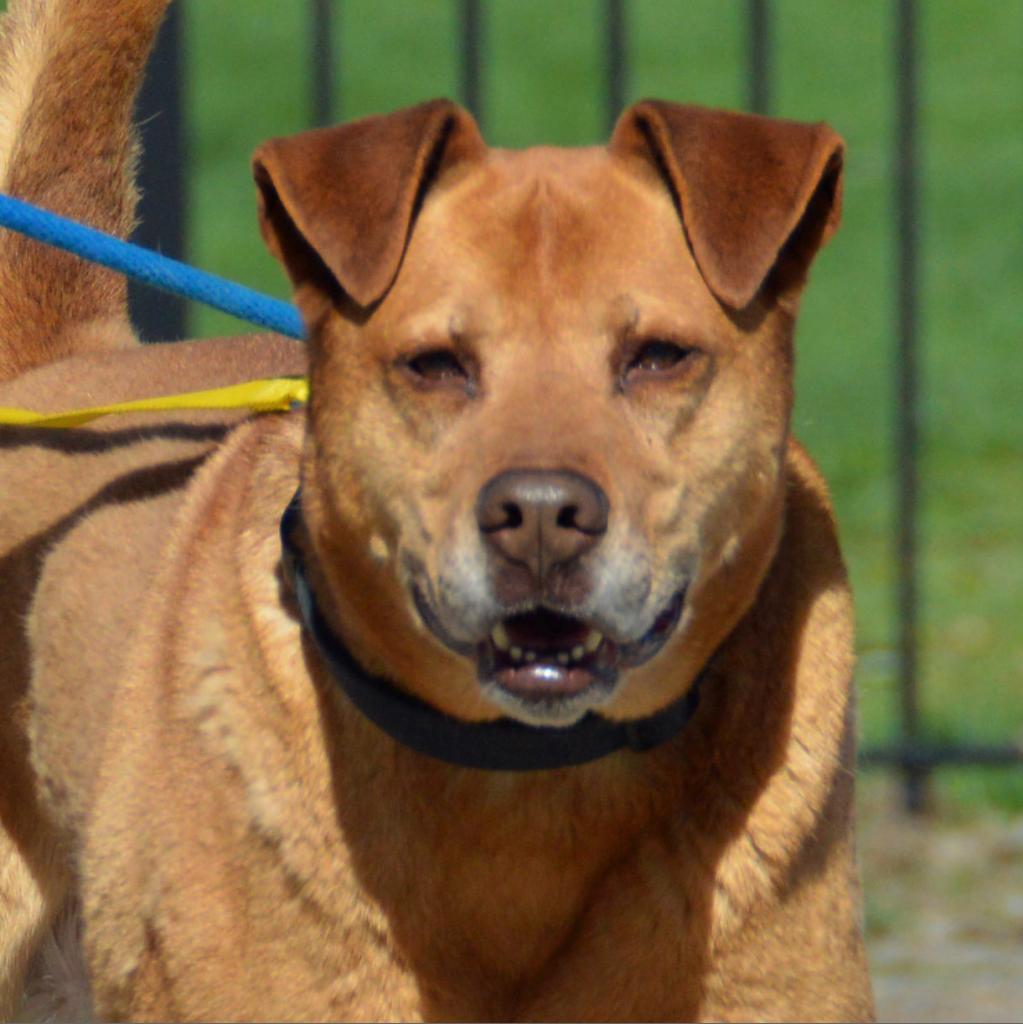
543, 681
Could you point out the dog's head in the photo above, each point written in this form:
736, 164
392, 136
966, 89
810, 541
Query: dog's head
550, 392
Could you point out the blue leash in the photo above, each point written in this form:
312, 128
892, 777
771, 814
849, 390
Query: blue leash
150, 267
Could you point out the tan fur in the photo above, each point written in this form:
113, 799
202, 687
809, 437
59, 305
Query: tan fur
243, 843
26, 29
70, 73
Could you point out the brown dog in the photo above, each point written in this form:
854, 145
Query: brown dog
546, 712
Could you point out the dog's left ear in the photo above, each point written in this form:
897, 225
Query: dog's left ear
755, 194
337, 204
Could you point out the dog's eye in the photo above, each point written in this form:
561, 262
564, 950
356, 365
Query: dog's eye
438, 366
657, 357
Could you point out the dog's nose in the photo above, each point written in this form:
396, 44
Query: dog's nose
541, 518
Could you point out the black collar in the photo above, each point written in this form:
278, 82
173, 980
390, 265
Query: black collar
500, 745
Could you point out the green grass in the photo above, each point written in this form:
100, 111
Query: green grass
248, 81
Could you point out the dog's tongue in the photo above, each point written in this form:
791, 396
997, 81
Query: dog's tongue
543, 630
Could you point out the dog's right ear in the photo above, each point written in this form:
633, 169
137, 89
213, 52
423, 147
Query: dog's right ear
341, 201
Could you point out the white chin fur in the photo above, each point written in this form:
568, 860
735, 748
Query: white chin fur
560, 711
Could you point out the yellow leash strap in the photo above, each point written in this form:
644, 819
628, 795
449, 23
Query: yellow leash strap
272, 394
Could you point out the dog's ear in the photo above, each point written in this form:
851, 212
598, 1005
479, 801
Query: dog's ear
341, 200
755, 194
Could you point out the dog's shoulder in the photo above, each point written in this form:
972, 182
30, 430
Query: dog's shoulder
120, 533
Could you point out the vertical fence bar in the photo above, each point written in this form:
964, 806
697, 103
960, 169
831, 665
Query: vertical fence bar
906, 425
321, 46
616, 55
759, 43
162, 181
472, 58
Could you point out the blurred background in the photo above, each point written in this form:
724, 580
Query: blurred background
910, 345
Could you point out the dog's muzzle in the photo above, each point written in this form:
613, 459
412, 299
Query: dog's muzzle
541, 655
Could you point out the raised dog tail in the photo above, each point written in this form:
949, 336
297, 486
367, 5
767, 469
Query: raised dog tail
69, 73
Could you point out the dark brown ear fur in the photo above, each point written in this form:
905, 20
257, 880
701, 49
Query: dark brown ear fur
342, 199
755, 193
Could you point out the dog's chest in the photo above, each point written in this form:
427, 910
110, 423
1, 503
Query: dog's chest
504, 922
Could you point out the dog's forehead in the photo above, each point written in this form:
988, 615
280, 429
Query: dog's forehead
557, 190
561, 227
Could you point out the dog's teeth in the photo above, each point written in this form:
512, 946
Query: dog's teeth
500, 637
563, 658
530, 656
578, 652
592, 642
516, 653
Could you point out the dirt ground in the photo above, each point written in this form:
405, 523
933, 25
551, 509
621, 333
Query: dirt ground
944, 912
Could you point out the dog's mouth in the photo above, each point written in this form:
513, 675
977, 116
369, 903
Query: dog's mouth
546, 661
542, 656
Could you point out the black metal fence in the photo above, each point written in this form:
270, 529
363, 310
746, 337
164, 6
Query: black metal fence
163, 175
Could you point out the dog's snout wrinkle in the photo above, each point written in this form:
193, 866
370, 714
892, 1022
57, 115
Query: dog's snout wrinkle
541, 518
